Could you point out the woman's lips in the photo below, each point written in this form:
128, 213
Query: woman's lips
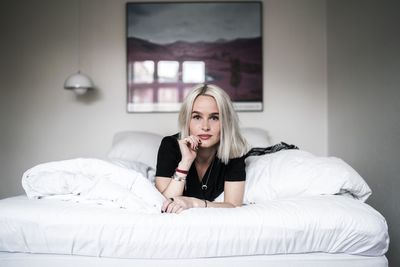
204, 136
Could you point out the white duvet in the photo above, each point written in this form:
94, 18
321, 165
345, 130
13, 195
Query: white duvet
333, 224
92, 180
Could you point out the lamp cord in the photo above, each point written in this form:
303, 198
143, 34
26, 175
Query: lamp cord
79, 36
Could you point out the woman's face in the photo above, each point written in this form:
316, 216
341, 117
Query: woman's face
204, 122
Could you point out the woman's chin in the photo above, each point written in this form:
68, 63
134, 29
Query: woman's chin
208, 144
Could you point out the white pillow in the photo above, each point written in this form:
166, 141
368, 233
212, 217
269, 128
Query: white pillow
137, 166
135, 146
256, 137
292, 173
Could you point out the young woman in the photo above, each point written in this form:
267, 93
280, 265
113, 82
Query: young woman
206, 158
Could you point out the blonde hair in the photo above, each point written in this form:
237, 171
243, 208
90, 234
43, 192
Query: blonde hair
232, 144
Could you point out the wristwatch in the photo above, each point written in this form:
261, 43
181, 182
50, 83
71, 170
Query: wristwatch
178, 178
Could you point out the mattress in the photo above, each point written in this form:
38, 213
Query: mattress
328, 223
299, 260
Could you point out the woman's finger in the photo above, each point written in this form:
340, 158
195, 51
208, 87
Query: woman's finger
175, 208
166, 205
170, 207
189, 142
195, 141
198, 142
196, 138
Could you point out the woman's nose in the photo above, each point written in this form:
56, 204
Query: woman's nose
205, 125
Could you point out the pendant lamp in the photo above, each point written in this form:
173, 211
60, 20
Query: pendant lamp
79, 82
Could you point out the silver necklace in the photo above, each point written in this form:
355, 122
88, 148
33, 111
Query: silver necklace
204, 186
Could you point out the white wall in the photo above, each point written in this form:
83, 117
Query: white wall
364, 99
41, 122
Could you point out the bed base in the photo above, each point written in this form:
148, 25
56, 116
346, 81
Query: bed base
8, 259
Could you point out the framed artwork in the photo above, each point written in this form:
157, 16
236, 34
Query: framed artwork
172, 46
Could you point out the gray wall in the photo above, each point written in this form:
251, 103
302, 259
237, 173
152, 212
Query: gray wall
364, 99
41, 122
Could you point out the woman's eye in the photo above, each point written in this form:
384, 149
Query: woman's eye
196, 117
215, 118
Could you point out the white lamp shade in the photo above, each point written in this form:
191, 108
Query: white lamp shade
78, 82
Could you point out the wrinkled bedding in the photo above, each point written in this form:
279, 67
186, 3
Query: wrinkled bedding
329, 223
92, 180
295, 202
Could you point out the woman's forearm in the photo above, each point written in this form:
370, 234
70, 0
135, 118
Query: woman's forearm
201, 203
177, 204
174, 188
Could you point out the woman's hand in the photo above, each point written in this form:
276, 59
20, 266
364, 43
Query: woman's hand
188, 147
179, 204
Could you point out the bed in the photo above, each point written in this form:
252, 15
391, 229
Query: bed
299, 210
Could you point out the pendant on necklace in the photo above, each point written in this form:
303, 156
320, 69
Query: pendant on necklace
204, 186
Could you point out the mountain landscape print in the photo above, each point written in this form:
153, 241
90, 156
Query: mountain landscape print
173, 46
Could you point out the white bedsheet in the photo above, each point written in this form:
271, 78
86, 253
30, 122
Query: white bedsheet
333, 224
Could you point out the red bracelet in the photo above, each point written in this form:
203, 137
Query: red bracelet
181, 171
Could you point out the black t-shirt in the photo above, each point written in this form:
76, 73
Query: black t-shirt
169, 156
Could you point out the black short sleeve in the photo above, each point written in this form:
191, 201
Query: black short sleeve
236, 170
168, 157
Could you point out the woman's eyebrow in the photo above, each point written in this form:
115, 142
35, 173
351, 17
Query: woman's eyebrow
211, 114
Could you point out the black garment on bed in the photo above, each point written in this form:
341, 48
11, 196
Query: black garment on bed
169, 156
258, 151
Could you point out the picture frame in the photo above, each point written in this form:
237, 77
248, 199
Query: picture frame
172, 46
